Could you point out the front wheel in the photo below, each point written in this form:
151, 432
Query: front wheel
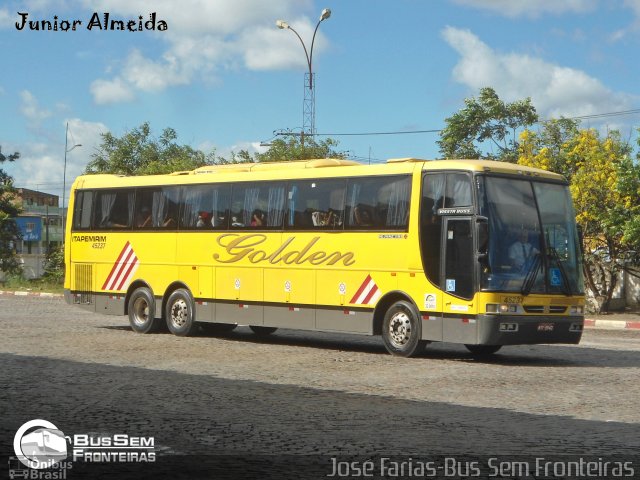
180, 313
141, 309
402, 330
480, 350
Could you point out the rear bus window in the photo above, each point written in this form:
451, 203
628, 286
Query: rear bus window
82, 210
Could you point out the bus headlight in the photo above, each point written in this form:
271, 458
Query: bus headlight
501, 308
577, 310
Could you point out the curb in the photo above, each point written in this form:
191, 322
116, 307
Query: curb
612, 324
22, 293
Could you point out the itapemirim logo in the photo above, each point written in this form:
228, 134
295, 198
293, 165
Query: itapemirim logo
39, 444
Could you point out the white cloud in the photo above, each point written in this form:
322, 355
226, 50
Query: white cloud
41, 164
531, 8
31, 110
223, 34
5, 18
554, 90
111, 91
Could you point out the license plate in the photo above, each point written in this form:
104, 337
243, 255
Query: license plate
545, 327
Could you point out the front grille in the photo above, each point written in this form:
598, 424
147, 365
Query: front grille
534, 308
557, 309
82, 283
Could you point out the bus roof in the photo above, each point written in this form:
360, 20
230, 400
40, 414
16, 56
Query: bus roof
238, 172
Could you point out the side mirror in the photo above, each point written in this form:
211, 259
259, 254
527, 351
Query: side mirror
482, 234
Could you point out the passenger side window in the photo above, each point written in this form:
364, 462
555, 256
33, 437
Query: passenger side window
257, 205
380, 203
205, 207
316, 204
113, 209
157, 208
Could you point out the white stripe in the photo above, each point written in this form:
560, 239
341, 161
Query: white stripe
118, 271
375, 297
122, 268
365, 292
128, 279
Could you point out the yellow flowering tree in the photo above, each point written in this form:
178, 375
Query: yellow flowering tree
605, 187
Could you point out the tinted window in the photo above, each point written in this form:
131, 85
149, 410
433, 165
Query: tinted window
156, 208
205, 207
378, 203
431, 224
113, 209
316, 204
458, 190
258, 205
82, 210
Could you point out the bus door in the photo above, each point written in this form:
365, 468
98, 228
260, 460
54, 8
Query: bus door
457, 270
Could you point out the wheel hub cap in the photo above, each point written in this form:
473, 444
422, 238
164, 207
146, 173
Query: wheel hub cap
400, 329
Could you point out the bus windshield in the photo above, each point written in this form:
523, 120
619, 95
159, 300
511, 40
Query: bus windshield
533, 242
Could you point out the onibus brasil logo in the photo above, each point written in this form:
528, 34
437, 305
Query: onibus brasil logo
39, 444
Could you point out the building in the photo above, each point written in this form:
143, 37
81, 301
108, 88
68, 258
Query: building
40, 224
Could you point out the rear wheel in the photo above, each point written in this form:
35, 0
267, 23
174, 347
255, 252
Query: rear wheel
262, 331
180, 313
402, 330
480, 350
141, 309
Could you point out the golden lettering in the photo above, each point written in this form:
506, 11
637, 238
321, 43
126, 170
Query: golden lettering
237, 247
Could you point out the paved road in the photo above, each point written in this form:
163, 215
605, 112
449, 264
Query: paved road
315, 396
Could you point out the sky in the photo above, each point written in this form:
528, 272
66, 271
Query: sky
225, 78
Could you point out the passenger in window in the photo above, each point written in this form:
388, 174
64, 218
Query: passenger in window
257, 218
144, 218
204, 220
169, 222
363, 216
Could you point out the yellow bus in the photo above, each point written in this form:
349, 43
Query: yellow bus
474, 252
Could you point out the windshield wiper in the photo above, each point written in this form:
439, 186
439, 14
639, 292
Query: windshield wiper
531, 275
566, 286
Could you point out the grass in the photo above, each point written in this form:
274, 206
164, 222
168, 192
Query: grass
15, 283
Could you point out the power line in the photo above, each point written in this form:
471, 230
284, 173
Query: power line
438, 130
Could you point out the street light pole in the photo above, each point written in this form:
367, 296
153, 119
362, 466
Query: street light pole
64, 177
309, 103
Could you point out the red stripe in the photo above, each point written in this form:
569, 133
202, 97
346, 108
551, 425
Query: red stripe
589, 323
361, 289
632, 325
121, 268
126, 275
115, 265
371, 293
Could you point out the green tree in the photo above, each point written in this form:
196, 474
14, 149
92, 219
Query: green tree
137, 152
9, 232
605, 186
486, 127
293, 148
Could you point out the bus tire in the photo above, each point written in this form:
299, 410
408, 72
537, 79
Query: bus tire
481, 350
141, 309
180, 313
402, 330
262, 331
